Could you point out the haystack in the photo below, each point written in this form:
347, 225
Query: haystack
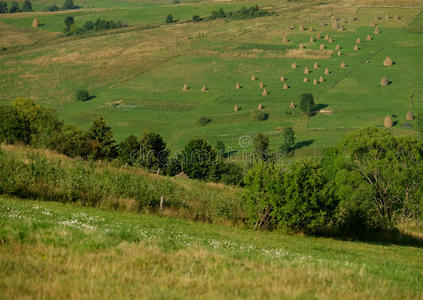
358, 41
301, 27
337, 47
236, 108
311, 39
343, 65
376, 30
322, 24
301, 46
306, 71
387, 62
260, 107
387, 17
384, 81
368, 38
355, 48
326, 71
305, 80
372, 24
182, 175
264, 93
397, 18
321, 79
285, 86
327, 37
339, 53
292, 105
409, 116
291, 27
204, 88
253, 77
387, 123
35, 23
315, 65
282, 79
237, 86
330, 40
311, 29
314, 81
341, 28
294, 65
284, 39
318, 36
322, 47
185, 87
261, 85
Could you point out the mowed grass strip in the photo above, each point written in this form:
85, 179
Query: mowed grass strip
51, 250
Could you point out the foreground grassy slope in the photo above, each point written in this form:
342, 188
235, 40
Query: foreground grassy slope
137, 74
50, 250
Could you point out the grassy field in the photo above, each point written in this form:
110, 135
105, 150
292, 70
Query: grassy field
137, 73
51, 250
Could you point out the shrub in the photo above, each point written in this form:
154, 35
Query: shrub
53, 7
203, 121
101, 140
307, 104
70, 5
13, 127
14, 8
261, 146
27, 6
260, 115
196, 18
300, 197
3, 7
169, 18
73, 142
128, 150
288, 142
82, 95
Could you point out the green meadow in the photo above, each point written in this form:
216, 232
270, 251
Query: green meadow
53, 250
137, 73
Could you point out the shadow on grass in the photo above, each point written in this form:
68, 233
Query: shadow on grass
303, 144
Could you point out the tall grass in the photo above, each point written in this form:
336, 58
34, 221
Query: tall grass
32, 174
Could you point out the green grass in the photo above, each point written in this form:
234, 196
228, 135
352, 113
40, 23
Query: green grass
51, 250
145, 70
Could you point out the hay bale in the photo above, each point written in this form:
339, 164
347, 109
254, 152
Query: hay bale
326, 37
322, 24
372, 24
311, 39
409, 116
326, 71
301, 27
384, 81
282, 79
387, 62
322, 47
330, 40
285, 86
236, 108
35, 23
318, 36
182, 175
284, 39
314, 81
204, 88
237, 86
397, 18
292, 105
261, 85
341, 28
291, 27
355, 48
337, 47
387, 123
339, 53
376, 30
321, 79
260, 107
253, 78
294, 65
368, 38
185, 88
343, 65
315, 65
301, 46
306, 71
358, 41
311, 29
305, 80
264, 92
387, 17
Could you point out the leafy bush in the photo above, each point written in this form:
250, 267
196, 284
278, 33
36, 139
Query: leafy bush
196, 18
27, 6
53, 7
307, 104
260, 115
169, 19
70, 5
3, 7
242, 13
82, 95
13, 127
14, 8
288, 140
203, 121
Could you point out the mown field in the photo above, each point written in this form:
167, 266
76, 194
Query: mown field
137, 73
52, 250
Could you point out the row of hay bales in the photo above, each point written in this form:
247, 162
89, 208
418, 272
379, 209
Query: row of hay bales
388, 123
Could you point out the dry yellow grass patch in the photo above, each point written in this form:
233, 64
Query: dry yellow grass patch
308, 54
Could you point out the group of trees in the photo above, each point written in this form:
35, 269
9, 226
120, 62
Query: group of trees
370, 181
242, 13
14, 7
261, 146
97, 25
